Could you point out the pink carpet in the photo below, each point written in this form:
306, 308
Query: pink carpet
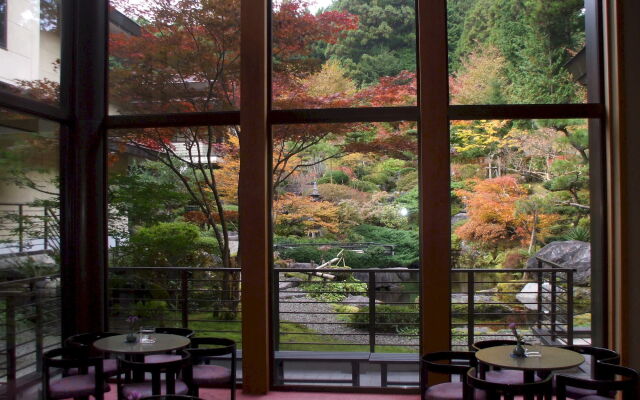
221, 394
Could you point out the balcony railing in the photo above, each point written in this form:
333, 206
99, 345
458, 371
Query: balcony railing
28, 228
29, 325
315, 310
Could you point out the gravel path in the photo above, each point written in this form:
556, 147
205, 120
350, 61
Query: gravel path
300, 309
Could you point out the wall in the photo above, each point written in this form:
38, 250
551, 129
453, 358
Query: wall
21, 59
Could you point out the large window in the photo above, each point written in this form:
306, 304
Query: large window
444, 168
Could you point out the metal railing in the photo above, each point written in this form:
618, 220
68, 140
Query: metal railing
329, 309
204, 299
29, 323
539, 301
25, 227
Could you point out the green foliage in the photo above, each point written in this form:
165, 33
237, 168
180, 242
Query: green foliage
334, 292
337, 177
580, 233
148, 193
171, 244
408, 181
152, 310
406, 242
389, 318
383, 44
363, 186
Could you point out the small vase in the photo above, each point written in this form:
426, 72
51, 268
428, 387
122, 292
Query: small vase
519, 351
131, 337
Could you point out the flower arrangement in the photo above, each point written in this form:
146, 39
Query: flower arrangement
519, 350
131, 321
134, 396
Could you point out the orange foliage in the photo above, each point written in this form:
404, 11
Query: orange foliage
300, 215
492, 211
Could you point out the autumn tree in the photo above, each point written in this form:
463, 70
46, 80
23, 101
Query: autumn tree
302, 216
186, 59
491, 208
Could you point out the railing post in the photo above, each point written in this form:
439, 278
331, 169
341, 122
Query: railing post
540, 311
276, 309
46, 228
554, 311
20, 228
10, 315
570, 307
371, 289
471, 308
185, 297
39, 331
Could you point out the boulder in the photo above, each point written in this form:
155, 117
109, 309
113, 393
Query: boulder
528, 296
568, 254
459, 217
359, 301
390, 279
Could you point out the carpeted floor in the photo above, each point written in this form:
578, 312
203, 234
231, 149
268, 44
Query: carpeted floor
223, 394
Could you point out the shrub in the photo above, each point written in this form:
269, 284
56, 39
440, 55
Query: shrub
304, 254
338, 291
363, 186
580, 233
514, 259
165, 244
384, 181
389, 318
152, 310
335, 193
338, 177
408, 181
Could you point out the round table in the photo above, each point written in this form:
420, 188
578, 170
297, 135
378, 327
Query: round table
164, 342
549, 359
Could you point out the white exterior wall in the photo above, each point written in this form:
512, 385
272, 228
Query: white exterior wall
30, 53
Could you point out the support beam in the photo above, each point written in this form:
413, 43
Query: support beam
435, 222
254, 197
83, 172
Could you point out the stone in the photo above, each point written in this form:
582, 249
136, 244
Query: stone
459, 217
568, 254
528, 296
390, 279
359, 301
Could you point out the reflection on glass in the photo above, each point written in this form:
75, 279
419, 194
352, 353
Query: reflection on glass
508, 52
351, 53
520, 201
173, 228
30, 45
29, 242
179, 56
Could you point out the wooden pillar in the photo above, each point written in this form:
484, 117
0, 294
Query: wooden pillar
254, 197
433, 99
83, 168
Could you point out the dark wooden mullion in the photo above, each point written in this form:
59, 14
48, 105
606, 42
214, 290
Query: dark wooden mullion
598, 166
526, 111
215, 118
30, 106
360, 114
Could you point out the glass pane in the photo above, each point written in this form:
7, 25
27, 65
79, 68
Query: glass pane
344, 53
29, 246
173, 229
520, 226
345, 205
174, 56
30, 48
510, 52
